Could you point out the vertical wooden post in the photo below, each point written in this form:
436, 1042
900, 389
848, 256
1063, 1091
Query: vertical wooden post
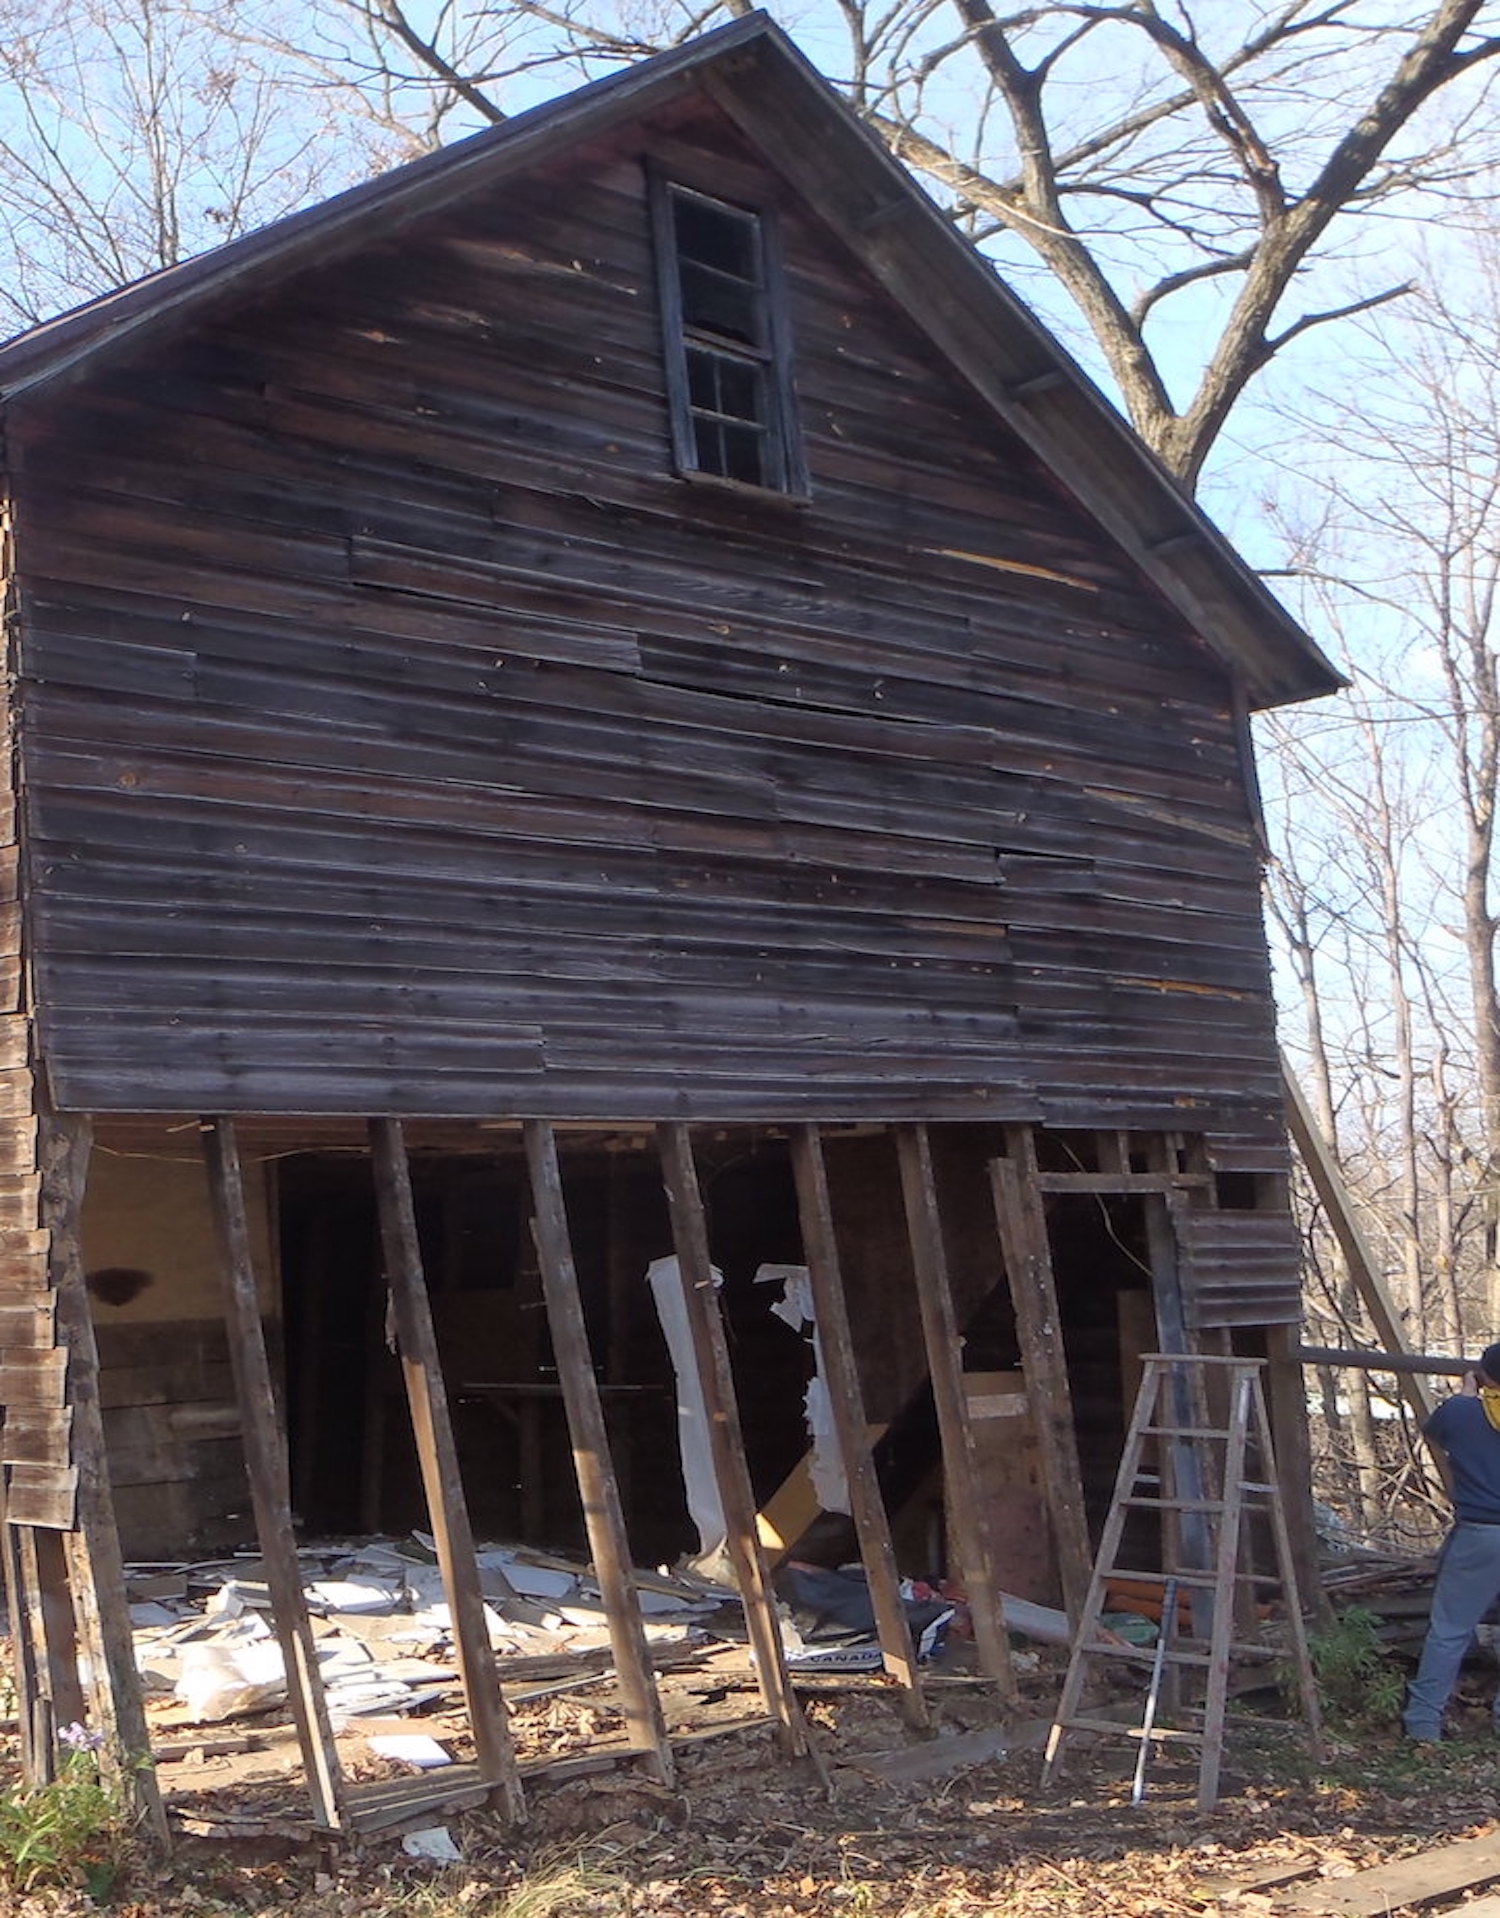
1028, 1268
437, 1455
716, 1384
1287, 1411
95, 1570
940, 1334
603, 1516
266, 1463
841, 1370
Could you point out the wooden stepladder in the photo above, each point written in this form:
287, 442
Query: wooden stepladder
1181, 1463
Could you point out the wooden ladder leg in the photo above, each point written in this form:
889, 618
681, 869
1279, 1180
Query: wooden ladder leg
597, 1485
841, 1375
437, 1457
266, 1463
1226, 1559
1286, 1566
1147, 1404
716, 1383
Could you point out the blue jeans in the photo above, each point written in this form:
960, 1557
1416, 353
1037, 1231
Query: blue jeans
1468, 1582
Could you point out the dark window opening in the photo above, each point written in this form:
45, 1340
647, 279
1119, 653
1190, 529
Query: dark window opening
725, 336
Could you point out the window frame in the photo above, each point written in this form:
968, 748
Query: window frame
783, 464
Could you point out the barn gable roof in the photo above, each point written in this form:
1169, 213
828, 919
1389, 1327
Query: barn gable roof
839, 167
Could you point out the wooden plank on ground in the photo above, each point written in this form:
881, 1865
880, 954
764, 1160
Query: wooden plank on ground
1421, 1880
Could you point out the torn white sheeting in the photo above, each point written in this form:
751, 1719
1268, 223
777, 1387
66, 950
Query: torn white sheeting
411, 1748
664, 1276
220, 1681
795, 1308
353, 1595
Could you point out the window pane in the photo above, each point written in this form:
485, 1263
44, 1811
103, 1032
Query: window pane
715, 236
717, 305
740, 390
733, 452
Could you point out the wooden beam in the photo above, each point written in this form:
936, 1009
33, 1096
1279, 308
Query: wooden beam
597, 1484
841, 1376
95, 1568
716, 1385
266, 1464
437, 1456
1033, 1291
1364, 1268
940, 1334
1392, 1362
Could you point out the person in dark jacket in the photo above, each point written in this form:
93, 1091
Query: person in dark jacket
1467, 1427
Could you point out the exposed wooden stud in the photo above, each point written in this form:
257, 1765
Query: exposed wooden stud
597, 1485
1286, 1406
841, 1375
1033, 1291
940, 1333
60, 1627
437, 1455
716, 1383
95, 1569
266, 1465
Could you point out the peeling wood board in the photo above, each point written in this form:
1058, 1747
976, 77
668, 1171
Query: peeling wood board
33, 1378
36, 1435
29, 1324
1421, 1880
45, 1496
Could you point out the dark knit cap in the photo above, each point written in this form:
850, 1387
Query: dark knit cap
1489, 1363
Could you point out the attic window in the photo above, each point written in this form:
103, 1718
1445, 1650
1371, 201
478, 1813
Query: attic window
728, 367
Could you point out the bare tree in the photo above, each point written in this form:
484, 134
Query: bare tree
135, 132
1163, 162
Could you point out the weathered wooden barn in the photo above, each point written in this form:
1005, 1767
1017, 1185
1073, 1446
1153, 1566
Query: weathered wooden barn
609, 693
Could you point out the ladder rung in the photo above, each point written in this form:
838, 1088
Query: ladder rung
1184, 1431
1142, 1501
1145, 1500
1147, 1654
1120, 1575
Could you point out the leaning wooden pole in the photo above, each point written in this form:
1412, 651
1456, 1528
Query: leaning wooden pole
96, 1571
1364, 1268
437, 1459
270, 1483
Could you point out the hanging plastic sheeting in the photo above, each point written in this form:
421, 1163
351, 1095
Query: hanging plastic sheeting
664, 1276
795, 1308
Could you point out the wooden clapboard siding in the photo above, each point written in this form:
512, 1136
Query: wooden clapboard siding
401, 736
35, 1423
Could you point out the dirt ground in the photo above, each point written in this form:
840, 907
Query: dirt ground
744, 1833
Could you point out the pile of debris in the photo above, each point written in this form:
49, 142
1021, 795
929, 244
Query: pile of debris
204, 1637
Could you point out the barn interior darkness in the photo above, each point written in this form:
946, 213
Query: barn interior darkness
353, 1461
